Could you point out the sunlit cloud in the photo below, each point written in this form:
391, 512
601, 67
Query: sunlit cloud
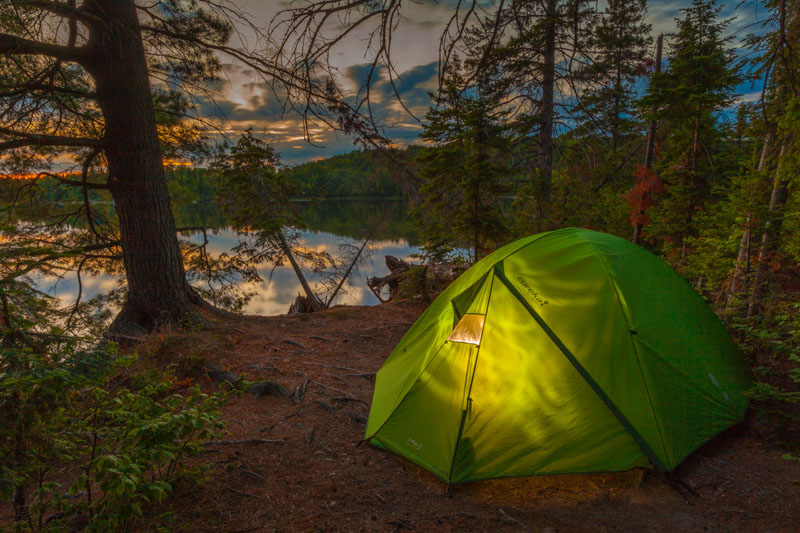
245, 101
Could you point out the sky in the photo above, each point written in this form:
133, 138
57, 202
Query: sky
246, 101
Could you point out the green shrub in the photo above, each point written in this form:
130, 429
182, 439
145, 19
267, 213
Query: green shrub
772, 343
87, 442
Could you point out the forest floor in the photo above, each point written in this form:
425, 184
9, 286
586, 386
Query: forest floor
303, 470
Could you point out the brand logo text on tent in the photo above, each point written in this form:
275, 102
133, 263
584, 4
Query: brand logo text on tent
535, 295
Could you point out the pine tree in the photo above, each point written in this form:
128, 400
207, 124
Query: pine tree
780, 62
599, 152
619, 48
255, 197
689, 100
547, 40
463, 173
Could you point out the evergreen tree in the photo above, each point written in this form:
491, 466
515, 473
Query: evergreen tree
619, 48
463, 173
689, 99
107, 82
255, 199
252, 193
545, 43
77, 80
535, 47
780, 63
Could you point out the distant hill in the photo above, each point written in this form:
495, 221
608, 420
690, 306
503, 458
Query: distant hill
355, 174
358, 174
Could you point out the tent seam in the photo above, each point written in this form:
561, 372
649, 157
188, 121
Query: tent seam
624, 312
643, 445
471, 381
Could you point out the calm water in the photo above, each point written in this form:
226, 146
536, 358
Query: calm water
330, 223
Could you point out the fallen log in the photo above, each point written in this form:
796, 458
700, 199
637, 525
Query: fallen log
396, 268
242, 441
409, 281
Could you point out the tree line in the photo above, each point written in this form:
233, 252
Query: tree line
539, 100
586, 119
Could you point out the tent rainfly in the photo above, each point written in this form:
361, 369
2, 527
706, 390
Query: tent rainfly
564, 352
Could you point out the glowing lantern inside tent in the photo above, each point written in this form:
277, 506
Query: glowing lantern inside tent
468, 330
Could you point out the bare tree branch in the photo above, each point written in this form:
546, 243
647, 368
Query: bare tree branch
22, 90
56, 8
33, 139
13, 45
71, 183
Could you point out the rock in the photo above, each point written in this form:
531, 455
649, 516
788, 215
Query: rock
394, 264
267, 387
219, 375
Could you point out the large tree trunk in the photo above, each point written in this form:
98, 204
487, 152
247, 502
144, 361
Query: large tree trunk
158, 292
544, 173
771, 237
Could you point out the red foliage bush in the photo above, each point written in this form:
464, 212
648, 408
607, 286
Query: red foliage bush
642, 196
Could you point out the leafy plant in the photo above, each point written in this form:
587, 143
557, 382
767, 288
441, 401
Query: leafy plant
88, 442
773, 340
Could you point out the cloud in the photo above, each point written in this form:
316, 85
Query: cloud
246, 101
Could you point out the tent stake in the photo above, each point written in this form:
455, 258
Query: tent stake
675, 483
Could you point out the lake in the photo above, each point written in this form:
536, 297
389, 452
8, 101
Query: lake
329, 222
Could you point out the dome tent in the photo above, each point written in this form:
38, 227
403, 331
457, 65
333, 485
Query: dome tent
564, 352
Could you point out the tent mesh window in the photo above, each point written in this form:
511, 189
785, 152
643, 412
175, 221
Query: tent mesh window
468, 330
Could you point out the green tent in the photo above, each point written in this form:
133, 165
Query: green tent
569, 351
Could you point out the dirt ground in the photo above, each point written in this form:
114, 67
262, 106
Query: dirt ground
304, 470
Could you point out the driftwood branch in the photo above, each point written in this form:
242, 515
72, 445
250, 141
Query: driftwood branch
397, 268
435, 278
316, 305
243, 441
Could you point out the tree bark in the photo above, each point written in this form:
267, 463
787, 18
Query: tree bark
316, 305
158, 292
650, 149
742, 266
476, 235
771, 237
544, 174
690, 202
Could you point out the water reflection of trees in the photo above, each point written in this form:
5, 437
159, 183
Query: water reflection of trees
351, 218
55, 240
